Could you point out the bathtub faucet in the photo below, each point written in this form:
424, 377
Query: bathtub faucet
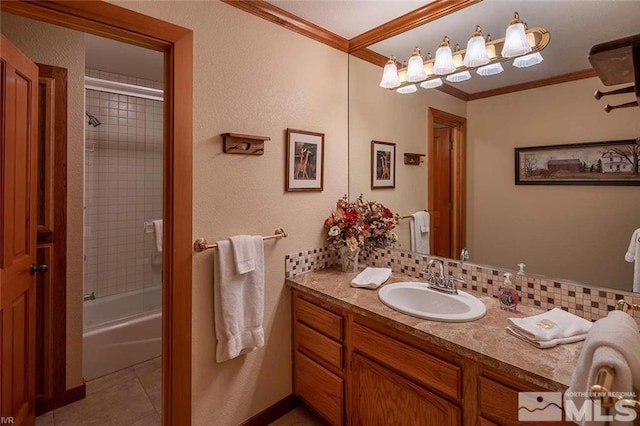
90, 296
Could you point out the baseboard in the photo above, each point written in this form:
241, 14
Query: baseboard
69, 396
274, 412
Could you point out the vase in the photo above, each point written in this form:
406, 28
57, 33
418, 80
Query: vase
349, 259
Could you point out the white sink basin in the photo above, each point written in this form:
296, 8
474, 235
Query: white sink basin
420, 301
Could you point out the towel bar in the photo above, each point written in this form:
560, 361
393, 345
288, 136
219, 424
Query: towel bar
201, 244
408, 216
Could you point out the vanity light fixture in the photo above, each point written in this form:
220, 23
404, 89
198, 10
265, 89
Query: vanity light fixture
521, 44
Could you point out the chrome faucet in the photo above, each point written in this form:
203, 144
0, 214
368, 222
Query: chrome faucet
438, 281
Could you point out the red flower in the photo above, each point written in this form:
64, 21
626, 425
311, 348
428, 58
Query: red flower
350, 217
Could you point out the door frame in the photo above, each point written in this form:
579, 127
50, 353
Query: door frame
458, 127
115, 22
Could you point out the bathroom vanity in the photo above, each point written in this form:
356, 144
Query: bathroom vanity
358, 362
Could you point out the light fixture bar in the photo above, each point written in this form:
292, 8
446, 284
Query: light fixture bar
542, 38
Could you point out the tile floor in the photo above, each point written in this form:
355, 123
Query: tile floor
132, 397
126, 397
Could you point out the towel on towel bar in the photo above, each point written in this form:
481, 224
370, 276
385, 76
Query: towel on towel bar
612, 342
243, 253
238, 303
633, 255
157, 228
420, 232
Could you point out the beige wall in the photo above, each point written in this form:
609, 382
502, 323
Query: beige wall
64, 48
383, 115
251, 76
574, 232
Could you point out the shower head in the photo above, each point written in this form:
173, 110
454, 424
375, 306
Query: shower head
93, 120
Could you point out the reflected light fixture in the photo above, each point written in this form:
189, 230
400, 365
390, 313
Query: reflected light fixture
491, 69
531, 59
521, 44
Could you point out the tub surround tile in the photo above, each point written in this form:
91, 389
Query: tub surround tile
483, 340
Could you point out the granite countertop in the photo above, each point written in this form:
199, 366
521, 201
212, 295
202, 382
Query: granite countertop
483, 340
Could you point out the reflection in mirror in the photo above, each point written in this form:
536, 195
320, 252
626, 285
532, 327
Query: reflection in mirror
578, 233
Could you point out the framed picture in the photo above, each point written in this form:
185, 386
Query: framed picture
383, 165
305, 161
593, 163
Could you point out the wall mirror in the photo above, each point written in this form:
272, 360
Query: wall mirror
577, 232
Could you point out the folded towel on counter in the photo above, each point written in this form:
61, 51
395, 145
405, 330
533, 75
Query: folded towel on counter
238, 303
612, 342
545, 344
157, 229
634, 246
243, 253
371, 278
552, 325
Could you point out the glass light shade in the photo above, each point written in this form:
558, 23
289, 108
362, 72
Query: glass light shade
444, 60
457, 61
476, 53
428, 68
491, 51
431, 84
515, 41
407, 89
528, 60
402, 75
458, 77
492, 69
390, 76
415, 68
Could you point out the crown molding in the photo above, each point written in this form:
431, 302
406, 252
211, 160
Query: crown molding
290, 21
454, 91
370, 56
409, 21
564, 78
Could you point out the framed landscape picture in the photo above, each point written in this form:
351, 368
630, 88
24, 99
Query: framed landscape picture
305, 161
593, 163
383, 165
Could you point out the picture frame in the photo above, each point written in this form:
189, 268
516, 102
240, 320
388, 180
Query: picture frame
609, 163
304, 161
383, 165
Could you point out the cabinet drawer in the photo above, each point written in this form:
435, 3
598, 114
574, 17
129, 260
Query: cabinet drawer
319, 318
419, 366
320, 345
499, 403
319, 388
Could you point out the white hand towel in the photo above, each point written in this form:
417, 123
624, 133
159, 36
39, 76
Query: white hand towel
420, 232
157, 229
613, 341
545, 344
371, 277
238, 303
551, 325
634, 246
243, 253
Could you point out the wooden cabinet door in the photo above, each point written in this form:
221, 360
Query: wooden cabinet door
381, 397
18, 195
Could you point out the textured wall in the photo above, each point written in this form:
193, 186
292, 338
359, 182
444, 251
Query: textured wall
253, 77
384, 115
51, 45
572, 232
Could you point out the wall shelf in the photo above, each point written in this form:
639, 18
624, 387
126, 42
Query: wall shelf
236, 143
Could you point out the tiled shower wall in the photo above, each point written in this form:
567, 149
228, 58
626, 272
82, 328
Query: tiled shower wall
123, 189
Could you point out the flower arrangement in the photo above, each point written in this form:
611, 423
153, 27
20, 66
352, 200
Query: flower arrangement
361, 224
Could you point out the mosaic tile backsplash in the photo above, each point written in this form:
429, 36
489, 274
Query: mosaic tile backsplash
591, 303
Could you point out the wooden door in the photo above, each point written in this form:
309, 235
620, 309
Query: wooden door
443, 206
381, 397
18, 161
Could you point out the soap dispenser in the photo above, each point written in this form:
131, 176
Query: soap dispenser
507, 295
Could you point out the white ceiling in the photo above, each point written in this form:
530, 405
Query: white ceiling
575, 26
349, 18
113, 56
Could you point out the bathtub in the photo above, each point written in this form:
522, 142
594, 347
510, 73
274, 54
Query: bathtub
121, 330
